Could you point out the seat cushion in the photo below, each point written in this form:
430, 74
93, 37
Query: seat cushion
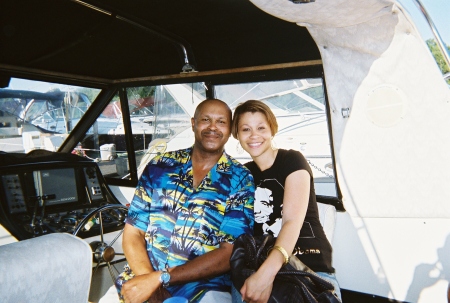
327, 217
50, 268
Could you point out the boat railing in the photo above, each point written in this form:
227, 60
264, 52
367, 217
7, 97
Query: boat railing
435, 32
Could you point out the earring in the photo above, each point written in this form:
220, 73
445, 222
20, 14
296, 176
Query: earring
273, 145
239, 148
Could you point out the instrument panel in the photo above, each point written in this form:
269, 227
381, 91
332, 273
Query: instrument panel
53, 196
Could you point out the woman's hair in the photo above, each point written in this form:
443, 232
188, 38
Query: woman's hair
253, 106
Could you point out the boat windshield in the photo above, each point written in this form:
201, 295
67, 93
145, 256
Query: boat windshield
39, 115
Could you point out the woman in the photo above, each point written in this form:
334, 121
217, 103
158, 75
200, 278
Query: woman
285, 203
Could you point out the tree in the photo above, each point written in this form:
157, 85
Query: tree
91, 93
438, 56
140, 92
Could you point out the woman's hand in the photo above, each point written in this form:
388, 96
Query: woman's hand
257, 289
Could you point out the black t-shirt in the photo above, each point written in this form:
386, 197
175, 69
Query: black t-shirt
312, 246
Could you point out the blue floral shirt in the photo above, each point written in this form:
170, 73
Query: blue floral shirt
181, 222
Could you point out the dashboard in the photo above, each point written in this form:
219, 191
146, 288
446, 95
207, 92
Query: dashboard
54, 193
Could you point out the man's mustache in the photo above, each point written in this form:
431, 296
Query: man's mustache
212, 132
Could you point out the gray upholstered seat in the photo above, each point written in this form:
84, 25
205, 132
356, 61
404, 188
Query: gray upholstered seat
51, 268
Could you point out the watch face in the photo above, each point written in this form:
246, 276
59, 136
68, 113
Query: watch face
165, 277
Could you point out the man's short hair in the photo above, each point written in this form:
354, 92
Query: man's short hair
199, 106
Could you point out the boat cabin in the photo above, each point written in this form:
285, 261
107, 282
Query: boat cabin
91, 90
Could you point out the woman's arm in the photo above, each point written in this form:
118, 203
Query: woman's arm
295, 205
257, 288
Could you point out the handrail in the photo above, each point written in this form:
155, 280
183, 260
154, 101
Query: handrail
187, 67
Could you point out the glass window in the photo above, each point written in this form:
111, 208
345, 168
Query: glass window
160, 120
105, 142
167, 125
299, 106
39, 115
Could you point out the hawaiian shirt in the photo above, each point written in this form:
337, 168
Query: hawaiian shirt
182, 222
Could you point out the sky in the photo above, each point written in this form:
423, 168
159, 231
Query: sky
438, 10
38, 86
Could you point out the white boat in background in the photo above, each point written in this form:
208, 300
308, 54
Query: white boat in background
44, 120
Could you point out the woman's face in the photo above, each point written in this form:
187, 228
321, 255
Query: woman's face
254, 133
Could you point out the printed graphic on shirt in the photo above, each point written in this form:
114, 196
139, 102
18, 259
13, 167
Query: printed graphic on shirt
268, 214
263, 210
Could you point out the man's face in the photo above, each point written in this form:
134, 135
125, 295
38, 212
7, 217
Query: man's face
211, 126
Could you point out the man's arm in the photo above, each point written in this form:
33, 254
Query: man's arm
146, 280
217, 261
238, 220
135, 249
211, 264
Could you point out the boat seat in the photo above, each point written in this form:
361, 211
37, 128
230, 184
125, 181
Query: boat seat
327, 217
51, 268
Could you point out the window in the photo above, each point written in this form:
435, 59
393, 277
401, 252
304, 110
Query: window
300, 108
159, 118
167, 127
40, 115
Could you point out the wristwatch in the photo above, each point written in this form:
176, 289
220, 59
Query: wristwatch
164, 278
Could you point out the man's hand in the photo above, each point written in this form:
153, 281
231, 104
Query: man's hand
140, 288
159, 295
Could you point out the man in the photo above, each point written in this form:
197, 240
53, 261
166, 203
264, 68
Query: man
188, 208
